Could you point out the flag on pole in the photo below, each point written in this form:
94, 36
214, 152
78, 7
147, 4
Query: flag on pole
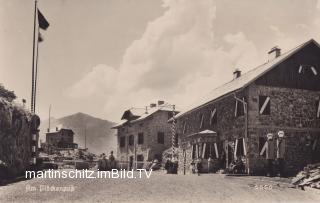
43, 23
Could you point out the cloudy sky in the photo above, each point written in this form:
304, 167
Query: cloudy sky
103, 56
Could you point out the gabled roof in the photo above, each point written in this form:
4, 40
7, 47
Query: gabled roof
143, 115
246, 79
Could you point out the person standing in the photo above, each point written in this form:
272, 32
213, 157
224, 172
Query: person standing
281, 147
269, 148
112, 161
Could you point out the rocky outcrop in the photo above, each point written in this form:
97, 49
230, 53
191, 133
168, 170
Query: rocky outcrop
15, 138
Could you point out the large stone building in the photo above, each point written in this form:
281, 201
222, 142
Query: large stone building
280, 96
60, 139
143, 136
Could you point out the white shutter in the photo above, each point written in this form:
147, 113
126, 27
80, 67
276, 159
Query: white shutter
264, 148
235, 149
236, 109
213, 112
314, 70
216, 150
264, 105
318, 112
197, 151
184, 127
244, 147
201, 122
204, 150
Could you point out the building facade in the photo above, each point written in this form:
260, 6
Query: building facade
143, 137
280, 96
61, 139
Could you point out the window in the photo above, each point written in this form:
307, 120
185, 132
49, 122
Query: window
122, 141
264, 105
140, 157
262, 141
131, 140
194, 151
160, 137
239, 110
210, 150
201, 120
318, 108
140, 138
213, 116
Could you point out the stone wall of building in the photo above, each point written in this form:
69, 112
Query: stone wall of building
292, 111
228, 126
15, 138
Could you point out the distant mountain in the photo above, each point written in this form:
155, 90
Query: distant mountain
100, 137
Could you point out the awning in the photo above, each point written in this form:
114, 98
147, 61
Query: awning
202, 136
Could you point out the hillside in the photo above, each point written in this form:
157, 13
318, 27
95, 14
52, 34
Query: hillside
100, 136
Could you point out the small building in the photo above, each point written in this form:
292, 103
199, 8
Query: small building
143, 136
281, 96
60, 139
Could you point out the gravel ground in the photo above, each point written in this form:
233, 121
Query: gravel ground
159, 188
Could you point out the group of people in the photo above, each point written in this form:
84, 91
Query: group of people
105, 164
274, 149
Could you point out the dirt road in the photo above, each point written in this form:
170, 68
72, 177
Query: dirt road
158, 188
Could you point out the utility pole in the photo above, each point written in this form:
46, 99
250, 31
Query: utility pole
85, 137
49, 118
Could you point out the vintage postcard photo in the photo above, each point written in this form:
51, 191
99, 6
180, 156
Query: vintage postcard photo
160, 101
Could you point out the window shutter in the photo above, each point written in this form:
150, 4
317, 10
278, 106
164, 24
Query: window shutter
184, 127
264, 105
318, 109
201, 121
314, 71
213, 116
216, 150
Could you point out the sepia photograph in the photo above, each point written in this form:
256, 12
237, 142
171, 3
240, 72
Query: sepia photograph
152, 101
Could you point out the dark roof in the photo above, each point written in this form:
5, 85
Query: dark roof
143, 116
245, 80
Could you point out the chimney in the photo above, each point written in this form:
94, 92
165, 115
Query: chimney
274, 53
57, 129
236, 74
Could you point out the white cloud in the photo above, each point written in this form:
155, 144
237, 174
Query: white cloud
176, 59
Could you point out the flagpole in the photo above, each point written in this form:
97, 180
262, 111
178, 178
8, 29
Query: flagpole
33, 53
36, 74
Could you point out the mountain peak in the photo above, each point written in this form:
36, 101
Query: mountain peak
100, 136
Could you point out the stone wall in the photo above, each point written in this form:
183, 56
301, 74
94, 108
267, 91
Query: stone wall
228, 126
15, 138
292, 111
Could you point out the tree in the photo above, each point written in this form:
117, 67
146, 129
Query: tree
7, 94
